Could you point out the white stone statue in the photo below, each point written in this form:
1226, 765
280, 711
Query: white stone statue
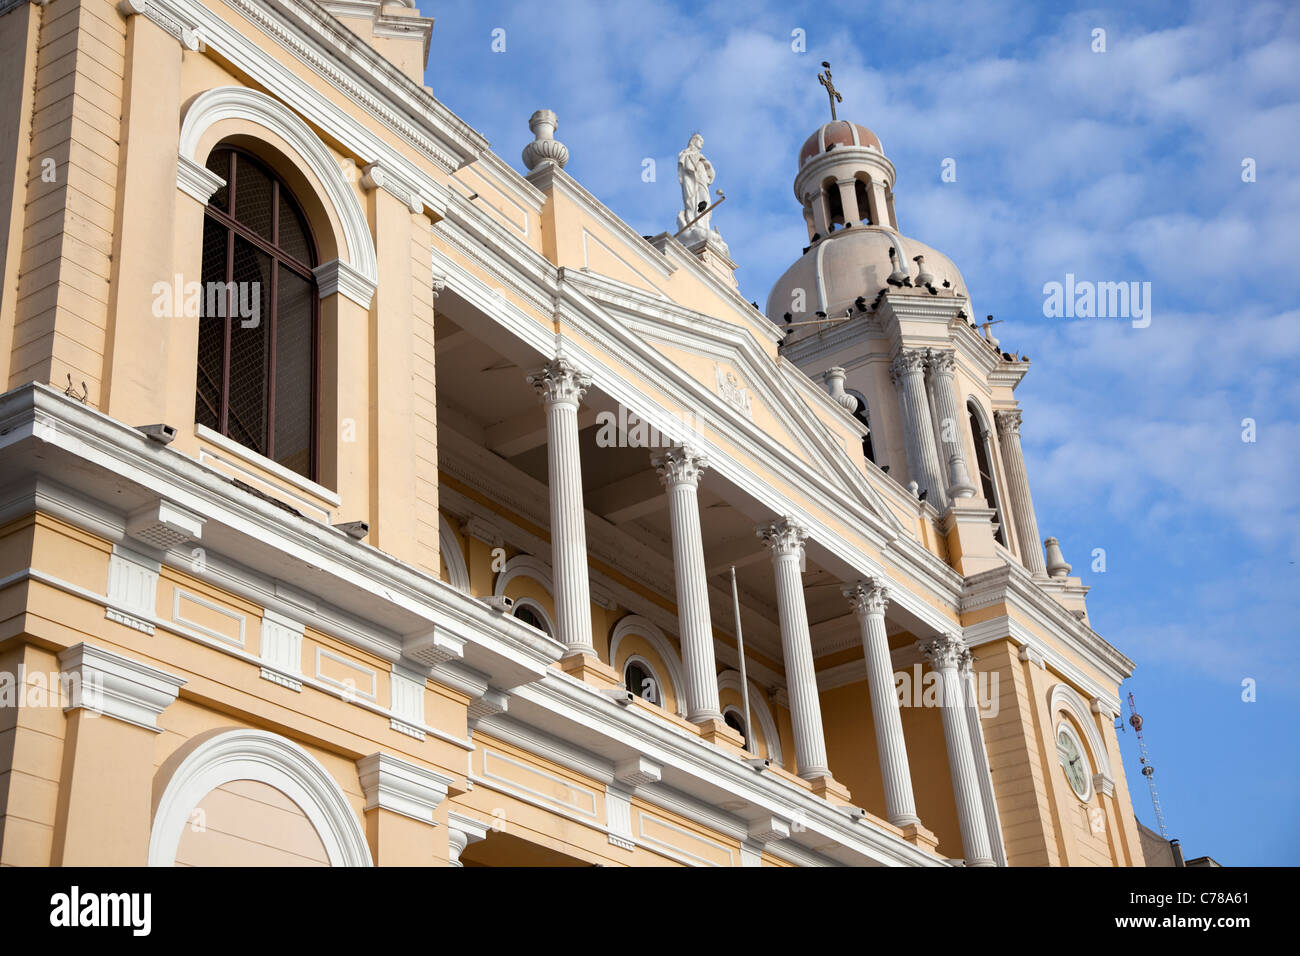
695, 173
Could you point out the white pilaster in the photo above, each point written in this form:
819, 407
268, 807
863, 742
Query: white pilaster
561, 387
1022, 505
943, 365
785, 538
679, 470
908, 374
945, 653
869, 601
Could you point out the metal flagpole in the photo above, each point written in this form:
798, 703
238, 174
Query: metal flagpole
740, 648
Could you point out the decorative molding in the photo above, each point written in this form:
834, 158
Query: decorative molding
216, 758
337, 277
180, 594
281, 650
618, 817
406, 701
163, 525
637, 772
196, 180
103, 682
377, 176
350, 688
390, 783
132, 589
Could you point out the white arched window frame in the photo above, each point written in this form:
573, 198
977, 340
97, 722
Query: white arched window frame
355, 276
759, 712
266, 758
449, 548
652, 635
537, 609
651, 671
535, 569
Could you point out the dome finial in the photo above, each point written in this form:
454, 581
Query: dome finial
833, 94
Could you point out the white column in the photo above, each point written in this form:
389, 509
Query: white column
880, 214
908, 374
561, 387
1022, 505
942, 366
869, 601
849, 201
945, 654
992, 822
680, 469
786, 539
461, 832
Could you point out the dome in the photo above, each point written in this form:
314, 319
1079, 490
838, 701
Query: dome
855, 262
838, 133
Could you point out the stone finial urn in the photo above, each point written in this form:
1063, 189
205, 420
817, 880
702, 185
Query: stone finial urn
1056, 566
545, 148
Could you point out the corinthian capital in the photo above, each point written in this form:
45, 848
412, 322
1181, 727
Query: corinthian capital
907, 362
867, 597
559, 380
943, 651
784, 536
942, 361
1008, 421
680, 465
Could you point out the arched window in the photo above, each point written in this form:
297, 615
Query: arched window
736, 722
983, 461
641, 680
862, 415
258, 335
532, 615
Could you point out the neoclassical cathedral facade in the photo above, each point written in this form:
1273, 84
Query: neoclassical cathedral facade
366, 499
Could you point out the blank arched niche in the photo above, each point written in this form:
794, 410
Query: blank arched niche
236, 115
219, 757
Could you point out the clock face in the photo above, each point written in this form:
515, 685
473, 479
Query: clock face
1074, 763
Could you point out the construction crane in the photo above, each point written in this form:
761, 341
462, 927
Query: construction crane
1148, 771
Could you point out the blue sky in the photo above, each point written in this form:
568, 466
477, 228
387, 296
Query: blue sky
1123, 165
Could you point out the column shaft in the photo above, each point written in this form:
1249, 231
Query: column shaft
869, 602
992, 822
680, 470
908, 373
949, 424
786, 538
561, 387
945, 654
1022, 505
